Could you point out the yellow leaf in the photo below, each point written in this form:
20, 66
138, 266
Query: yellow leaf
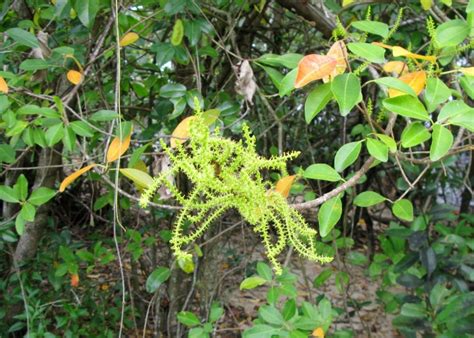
318, 332
467, 71
400, 51
3, 86
397, 67
283, 186
181, 132
71, 178
74, 77
314, 67
347, 2
338, 51
415, 80
128, 39
117, 148
140, 178
426, 4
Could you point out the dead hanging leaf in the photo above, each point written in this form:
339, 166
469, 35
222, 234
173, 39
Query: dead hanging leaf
318, 332
314, 67
338, 51
74, 280
128, 39
117, 148
71, 178
3, 86
415, 80
245, 84
400, 51
283, 186
469, 71
74, 77
397, 67
181, 132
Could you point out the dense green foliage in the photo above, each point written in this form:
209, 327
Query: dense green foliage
252, 131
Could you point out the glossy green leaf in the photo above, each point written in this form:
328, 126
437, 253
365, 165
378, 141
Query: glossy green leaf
321, 171
414, 134
274, 75
8, 194
261, 331
41, 196
104, 115
346, 155
329, 214
178, 33
271, 315
347, 91
373, 27
264, 271
289, 60
368, 198
458, 113
54, 134
28, 212
436, 93
81, 128
403, 209
7, 154
441, 142
467, 84
21, 187
389, 142
377, 149
173, 90
31, 109
288, 83
395, 83
407, 106
367, 51
69, 139
34, 64
23, 37
87, 11
316, 100
140, 178
157, 278
188, 318
451, 33
252, 282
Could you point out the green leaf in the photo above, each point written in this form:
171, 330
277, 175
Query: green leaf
274, 74
54, 134
289, 60
261, 331
7, 154
288, 83
23, 37
321, 171
357, 258
17, 128
271, 315
136, 155
140, 178
104, 115
8, 194
389, 142
188, 318
329, 214
21, 187
210, 116
31, 109
322, 278
395, 83
436, 92
467, 84
20, 225
368, 198
441, 142
216, 312
81, 128
346, 155
87, 11
367, 51
156, 278
173, 90
186, 264
28, 212
406, 105
252, 282
264, 271
377, 149
69, 138
373, 27
403, 209
414, 134
316, 100
192, 30
451, 33
458, 113
34, 64
347, 91
41, 196
178, 33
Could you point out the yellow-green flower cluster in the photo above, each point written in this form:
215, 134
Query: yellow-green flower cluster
226, 174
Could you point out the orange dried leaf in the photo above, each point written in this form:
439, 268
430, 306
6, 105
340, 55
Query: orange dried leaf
398, 67
314, 67
3, 86
338, 51
467, 71
383, 45
415, 80
71, 178
128, 39
74, 280
118, 147
74, 77
181, 132
283, 186
318, 332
